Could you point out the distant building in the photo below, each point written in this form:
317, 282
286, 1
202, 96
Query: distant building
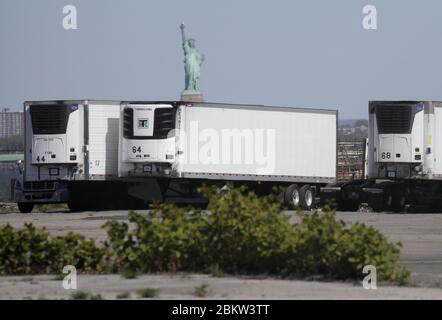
8, 172
11, 123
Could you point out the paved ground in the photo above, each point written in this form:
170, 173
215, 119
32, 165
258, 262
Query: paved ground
420, 234
184, 286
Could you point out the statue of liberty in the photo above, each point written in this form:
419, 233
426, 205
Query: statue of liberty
192, 65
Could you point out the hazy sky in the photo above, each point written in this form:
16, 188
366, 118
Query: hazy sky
305, 53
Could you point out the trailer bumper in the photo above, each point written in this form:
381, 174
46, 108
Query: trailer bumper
57, 194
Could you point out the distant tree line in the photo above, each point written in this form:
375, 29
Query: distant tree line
358, 135
359, 131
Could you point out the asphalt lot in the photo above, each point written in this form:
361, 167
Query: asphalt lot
420, 234
183, 286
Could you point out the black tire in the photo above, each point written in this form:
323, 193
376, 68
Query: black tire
25, 207
307, 197
292, 197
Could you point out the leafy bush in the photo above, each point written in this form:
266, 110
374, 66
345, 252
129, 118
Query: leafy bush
215, 271
201, 291
240, 233
325, 246
32, 251
247, 234
81, 295
169, 239
149, 293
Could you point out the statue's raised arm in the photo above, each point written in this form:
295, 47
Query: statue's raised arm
183, 36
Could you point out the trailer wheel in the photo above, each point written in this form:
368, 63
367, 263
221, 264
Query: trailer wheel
307, 197
292, 197
25, 207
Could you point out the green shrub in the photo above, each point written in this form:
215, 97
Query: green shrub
201, 291
81, 295
32, 251
240, 233
167, 240
216, 271
129, 274
149, 293
246, 234
326, 246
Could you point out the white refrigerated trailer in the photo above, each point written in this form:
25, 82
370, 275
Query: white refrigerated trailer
81, 152
71, 154
404, 158
178, 146
405, 155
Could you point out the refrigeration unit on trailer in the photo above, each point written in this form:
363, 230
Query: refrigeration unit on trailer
405, 149
404, 157
178, 146
71, 153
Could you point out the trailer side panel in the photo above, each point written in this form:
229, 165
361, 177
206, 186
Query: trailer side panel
260, 143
